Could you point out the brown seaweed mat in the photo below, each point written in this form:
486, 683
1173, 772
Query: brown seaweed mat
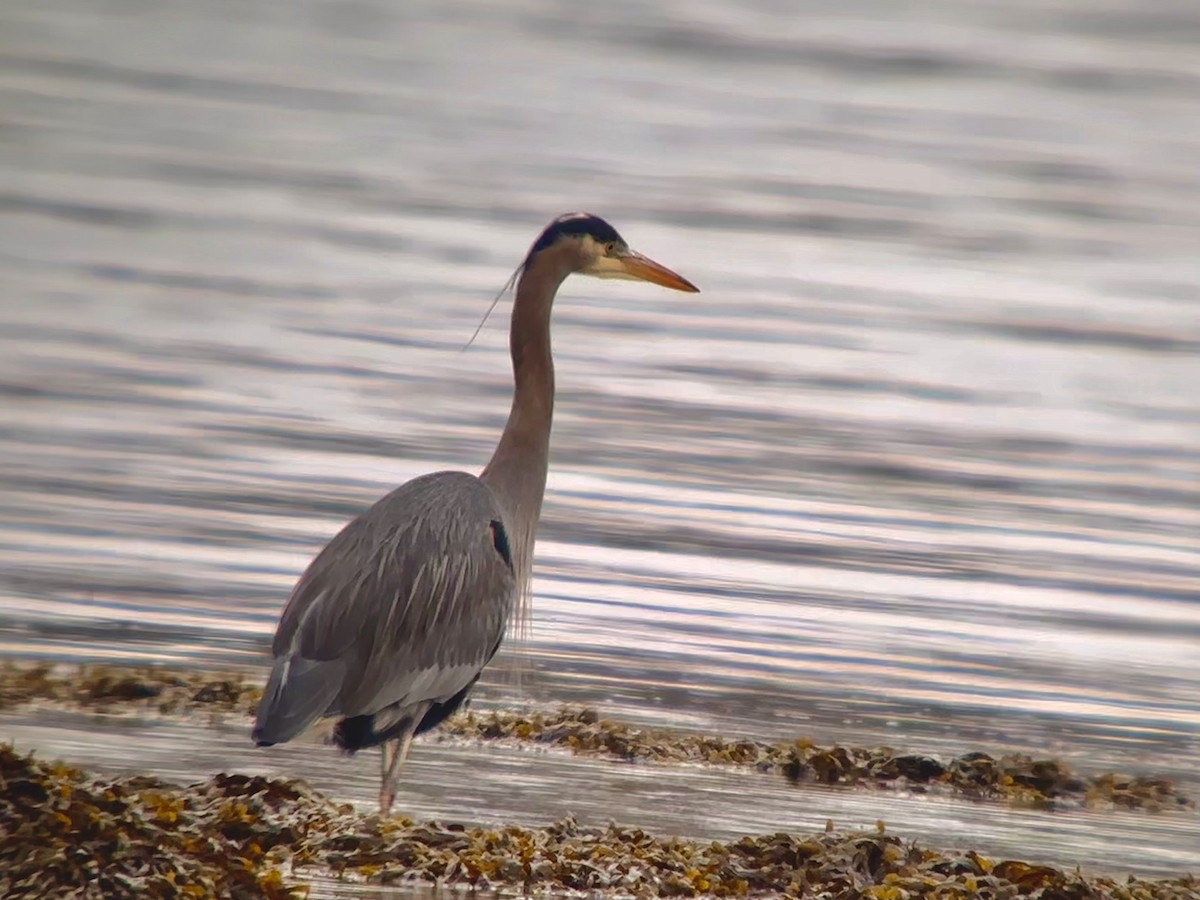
67, 833
1043, 783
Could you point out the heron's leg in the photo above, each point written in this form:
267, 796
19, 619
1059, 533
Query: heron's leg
385, 759
390, 773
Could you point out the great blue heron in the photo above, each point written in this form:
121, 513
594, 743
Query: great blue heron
392, 623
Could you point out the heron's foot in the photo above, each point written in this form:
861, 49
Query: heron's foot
387, 796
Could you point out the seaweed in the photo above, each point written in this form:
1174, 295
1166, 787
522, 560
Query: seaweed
70, 833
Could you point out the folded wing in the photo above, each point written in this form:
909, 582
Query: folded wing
404, 606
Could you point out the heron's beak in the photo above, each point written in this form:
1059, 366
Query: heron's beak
634, 265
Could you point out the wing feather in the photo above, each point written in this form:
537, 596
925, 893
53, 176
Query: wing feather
406, 604
297, 693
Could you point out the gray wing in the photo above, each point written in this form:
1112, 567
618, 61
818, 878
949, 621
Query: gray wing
406, 604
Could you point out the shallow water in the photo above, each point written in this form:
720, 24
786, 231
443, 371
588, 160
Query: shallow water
920, 465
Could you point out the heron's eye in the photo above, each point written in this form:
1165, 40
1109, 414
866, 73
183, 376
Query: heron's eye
610, 249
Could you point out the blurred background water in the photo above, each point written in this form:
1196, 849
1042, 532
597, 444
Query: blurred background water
920, 465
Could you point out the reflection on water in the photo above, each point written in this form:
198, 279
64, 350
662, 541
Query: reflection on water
920, 465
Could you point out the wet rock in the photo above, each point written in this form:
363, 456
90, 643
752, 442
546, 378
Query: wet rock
224, 691
975, 769
918, 769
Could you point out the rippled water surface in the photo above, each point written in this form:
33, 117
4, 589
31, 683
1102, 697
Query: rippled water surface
921, 464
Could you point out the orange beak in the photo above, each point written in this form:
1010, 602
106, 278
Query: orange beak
634, 265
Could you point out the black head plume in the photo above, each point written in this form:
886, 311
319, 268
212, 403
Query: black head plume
575, 224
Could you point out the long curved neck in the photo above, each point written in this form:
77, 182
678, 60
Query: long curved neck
516, 472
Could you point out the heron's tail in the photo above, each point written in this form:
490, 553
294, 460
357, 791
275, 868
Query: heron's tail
298, 693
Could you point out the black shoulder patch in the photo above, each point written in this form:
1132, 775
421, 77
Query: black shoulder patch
576, 223
500, 542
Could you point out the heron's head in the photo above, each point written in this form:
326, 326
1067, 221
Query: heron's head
590, 246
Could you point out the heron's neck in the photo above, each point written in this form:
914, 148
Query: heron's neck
517, 470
